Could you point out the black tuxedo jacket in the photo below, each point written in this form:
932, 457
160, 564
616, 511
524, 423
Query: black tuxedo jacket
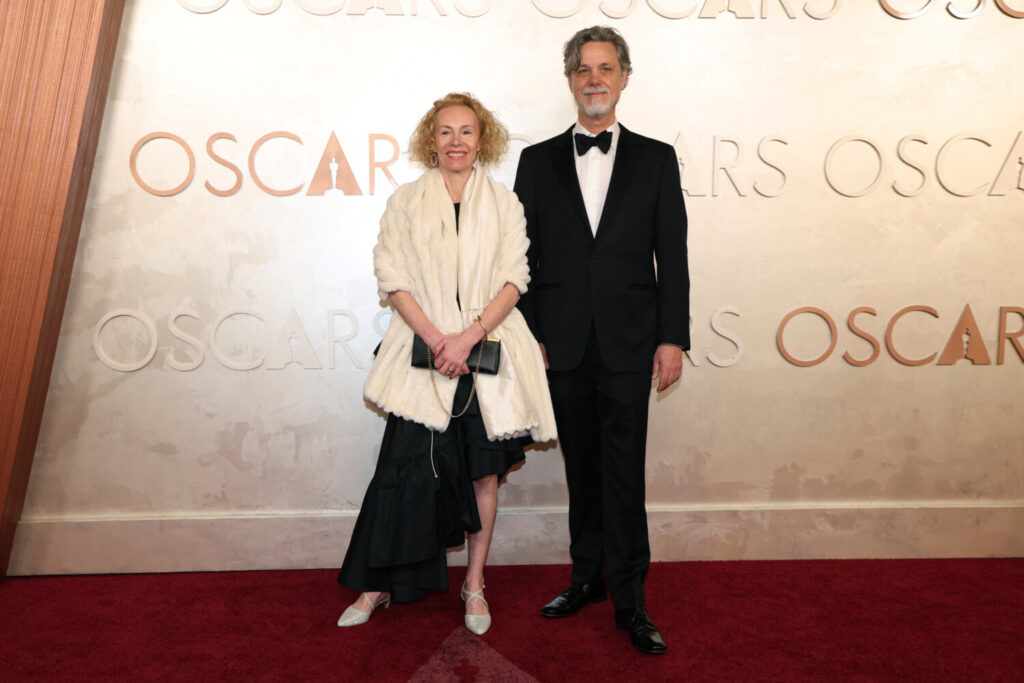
608, 281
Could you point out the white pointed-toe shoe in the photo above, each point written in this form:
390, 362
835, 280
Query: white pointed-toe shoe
353, 617
476, 623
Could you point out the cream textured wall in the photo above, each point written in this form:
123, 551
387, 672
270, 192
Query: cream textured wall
160, 451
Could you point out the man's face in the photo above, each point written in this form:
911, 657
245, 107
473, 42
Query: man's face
598, 80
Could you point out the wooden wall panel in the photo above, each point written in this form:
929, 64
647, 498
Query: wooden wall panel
55, 63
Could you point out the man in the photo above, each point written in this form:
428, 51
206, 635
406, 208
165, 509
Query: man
602, 204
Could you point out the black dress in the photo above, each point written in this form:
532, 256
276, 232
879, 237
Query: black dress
421, 500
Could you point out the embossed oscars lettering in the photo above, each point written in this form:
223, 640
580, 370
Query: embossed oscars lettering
833, 336
379, 324
1006, 336
242, 355
188, 151
726, 159
615, 9
830, 173
195, 354
912, 9
721, 332
252, 163
876, 348
218, 159
964, 342
958, 166
127, 340
709, 9
717, 328
325, 8
890, 331
854, 166
334, 339
332, 172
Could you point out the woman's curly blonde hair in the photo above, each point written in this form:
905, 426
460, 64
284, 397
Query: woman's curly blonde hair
493, 134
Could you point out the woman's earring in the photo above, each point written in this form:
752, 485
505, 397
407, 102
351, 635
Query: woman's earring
433, 158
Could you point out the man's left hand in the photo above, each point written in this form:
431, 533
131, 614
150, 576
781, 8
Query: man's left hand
668, 365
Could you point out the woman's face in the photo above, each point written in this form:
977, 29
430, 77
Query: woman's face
456, 138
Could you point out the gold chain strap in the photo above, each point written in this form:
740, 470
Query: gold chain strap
472, 392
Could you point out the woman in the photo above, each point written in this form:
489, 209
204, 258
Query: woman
451, 260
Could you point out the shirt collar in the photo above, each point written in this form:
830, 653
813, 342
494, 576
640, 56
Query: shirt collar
614, 128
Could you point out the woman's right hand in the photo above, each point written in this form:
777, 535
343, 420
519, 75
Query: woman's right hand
448, 359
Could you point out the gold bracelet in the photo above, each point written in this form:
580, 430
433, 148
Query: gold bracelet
486, 331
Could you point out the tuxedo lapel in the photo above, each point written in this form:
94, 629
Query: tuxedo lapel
622, 171
565, 164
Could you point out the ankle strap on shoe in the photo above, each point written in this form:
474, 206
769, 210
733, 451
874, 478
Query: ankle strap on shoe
479, 595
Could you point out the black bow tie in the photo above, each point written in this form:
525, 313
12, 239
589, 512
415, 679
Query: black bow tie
603, 141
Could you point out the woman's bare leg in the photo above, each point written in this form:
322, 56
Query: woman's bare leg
479, 544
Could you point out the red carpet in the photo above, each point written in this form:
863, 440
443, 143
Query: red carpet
904, 620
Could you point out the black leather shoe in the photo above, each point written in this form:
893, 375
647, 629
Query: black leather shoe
573, 599
642, 632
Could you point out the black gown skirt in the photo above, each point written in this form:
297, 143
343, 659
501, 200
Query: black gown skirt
421, 501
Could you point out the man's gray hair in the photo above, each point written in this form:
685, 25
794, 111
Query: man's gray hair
595, 34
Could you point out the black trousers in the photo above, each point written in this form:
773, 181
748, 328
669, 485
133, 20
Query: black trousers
602, 428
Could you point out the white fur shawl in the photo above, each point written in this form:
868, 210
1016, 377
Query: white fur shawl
419, 251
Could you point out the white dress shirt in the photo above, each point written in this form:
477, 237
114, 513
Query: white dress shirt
594, 171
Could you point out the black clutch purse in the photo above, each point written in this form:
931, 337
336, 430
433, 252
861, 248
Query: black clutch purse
485, 357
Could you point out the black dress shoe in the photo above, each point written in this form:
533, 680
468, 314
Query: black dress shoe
642, 632
573, 599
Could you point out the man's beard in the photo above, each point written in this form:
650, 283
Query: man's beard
595, 110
